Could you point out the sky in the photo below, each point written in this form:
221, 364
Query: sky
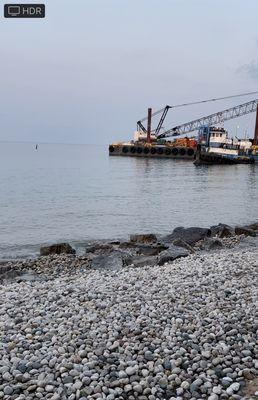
89, 70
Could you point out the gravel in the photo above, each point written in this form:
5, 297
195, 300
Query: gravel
185, 330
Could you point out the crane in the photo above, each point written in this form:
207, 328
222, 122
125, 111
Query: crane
164, 110
213, 119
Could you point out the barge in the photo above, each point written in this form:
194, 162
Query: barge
177, 149
212, 146
147, 144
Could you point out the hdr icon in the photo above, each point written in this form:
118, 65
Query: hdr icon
24, 10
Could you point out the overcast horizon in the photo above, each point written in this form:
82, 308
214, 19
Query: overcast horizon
87, 72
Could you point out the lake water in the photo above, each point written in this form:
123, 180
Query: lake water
77, 193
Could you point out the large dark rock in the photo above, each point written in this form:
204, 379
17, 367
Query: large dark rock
128, 245
144, 238
134, 248
253, 226
99, 248
113, 261
5, 267
128, 249
148, 250
182, 243
14, 274
222, 230
243, 230
141, 261
212, 244
59, 248
189, 235
171, 254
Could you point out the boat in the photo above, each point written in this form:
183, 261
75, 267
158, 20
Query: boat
215, 147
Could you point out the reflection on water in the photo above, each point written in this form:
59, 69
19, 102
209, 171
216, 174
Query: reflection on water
62, 192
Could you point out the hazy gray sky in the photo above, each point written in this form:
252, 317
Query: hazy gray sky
90, 69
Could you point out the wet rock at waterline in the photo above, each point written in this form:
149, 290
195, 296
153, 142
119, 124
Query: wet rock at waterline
190, 235
59, 248
101, 247
144, 238
222, 231
253, 226
243, 230
150, 250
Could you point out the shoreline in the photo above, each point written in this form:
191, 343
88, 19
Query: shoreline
138, 250
24, 251
183, 329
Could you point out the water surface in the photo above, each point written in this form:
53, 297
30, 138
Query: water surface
77, 192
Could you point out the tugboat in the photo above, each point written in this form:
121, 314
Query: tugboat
215, 147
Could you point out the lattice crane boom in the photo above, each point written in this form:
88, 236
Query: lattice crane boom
213, 119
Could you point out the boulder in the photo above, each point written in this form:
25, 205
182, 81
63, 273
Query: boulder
135, 248
253, 226
141, 261
99, 248
113, 261
171, 254
144, 238
128, 245
182, 243
20, 276
5, 268
212, 244
59, 248
243, 230
148, 250
188, 235
222, 230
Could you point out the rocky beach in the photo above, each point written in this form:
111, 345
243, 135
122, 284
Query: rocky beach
153, 317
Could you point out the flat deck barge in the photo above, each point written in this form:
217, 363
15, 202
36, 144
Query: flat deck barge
152, 150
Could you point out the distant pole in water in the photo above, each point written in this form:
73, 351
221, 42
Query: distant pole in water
36, 147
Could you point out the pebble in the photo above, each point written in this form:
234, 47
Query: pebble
185, 330
8, 390
213, 396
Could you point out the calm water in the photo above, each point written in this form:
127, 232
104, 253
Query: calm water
76, 192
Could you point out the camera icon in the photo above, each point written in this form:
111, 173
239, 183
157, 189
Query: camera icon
14, 10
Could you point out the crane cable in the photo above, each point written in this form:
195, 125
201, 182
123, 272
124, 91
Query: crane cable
200, 102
